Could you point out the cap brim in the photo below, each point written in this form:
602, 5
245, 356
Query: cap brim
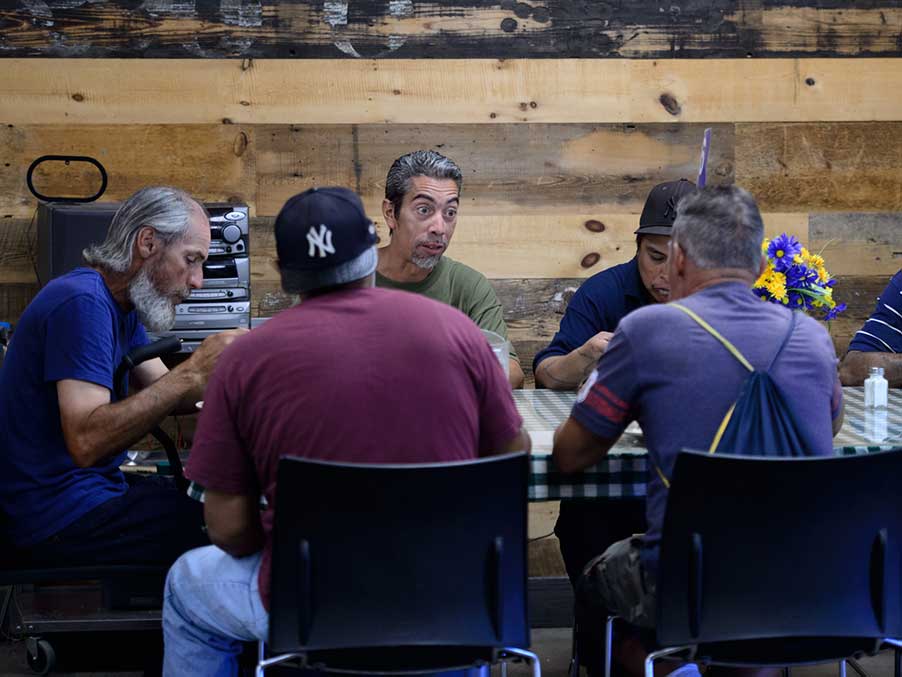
356, 269
654, 230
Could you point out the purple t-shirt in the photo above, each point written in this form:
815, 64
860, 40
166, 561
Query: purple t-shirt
366, 375
666, 372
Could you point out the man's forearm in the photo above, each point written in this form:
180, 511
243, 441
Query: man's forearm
112, 427
856, 365
564, 372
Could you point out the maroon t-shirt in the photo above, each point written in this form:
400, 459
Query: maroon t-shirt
366, 375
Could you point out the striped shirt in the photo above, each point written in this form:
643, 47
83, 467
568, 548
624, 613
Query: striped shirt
883, 330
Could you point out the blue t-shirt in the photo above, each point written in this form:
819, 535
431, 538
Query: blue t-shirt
73, 329
666, 372
598, 305
882, 333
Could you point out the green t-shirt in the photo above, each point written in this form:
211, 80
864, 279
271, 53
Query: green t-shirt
460, 287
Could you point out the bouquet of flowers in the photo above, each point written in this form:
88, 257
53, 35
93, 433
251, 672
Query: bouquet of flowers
797, 278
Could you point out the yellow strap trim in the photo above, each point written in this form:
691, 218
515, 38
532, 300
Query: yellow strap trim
721, 429
711, 330
663, 479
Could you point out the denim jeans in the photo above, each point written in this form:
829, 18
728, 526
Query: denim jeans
211, 606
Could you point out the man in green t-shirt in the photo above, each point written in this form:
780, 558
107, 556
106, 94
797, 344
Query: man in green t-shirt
422, 195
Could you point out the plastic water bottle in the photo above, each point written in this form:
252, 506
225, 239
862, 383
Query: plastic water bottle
876, 389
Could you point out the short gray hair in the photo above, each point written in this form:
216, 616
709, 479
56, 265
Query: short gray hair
165, 209
418, 163
720, 227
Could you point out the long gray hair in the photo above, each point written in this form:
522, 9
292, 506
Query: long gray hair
165, 209
720, 227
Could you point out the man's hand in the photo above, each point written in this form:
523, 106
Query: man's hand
202, 361
566, 372
595, 347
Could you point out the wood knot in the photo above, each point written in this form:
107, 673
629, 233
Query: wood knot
590, 260
493, 115
509, 25
810, 82
227, 121
595, 226
245, 103
671, 105
78, 97
240, 144
247, 64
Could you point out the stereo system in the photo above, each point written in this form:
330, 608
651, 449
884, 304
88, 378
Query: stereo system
224, 301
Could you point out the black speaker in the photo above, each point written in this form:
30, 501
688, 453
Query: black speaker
64, 230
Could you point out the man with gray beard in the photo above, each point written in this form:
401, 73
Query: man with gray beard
63, 434
422, 195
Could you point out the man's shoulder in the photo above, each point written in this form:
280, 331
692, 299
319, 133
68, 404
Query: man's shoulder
82, 285
615, 281
462, 273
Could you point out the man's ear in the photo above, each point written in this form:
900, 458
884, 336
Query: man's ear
388, 213
679, 258
146, 242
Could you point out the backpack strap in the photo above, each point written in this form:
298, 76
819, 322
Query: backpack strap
734, 351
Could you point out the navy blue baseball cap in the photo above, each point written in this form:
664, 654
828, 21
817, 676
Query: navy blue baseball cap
660, 208
324, 237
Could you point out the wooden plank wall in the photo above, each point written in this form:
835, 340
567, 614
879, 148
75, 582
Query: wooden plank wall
562, 114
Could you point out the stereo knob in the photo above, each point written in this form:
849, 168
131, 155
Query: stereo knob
231, 233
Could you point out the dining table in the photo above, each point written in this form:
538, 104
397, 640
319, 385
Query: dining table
623, 472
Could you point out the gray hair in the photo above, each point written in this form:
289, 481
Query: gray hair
165, 209
720, 227
418, 163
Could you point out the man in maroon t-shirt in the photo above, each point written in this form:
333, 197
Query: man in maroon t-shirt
353, 374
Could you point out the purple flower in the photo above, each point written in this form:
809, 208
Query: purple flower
835, 311
782, 250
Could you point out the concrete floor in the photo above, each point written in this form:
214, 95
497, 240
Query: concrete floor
551, 644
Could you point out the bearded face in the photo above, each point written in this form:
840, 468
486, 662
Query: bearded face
153, 299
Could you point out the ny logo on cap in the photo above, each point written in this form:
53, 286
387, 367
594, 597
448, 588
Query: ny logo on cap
321, 241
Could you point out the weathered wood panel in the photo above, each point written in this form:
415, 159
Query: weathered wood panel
858, 244
213, 162
508, 169
821, 167
17, 252
448, 29
203, 91
527, 245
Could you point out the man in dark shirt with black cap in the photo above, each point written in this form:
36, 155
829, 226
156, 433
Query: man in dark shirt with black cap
586, 528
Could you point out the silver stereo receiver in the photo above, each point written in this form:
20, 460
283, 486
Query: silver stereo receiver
224, 302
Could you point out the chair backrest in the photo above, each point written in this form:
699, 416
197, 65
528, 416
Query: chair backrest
781, 547
399, 555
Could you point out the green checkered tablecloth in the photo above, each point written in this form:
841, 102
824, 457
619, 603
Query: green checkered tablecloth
623, 472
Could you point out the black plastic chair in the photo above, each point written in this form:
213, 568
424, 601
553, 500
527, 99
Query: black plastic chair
779, 561
400, 568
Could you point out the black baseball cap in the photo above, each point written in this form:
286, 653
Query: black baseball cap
660, 208
324, 237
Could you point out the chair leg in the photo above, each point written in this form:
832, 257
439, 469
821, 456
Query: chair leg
654, 655
842, 669
897, 663
574, 651
608, 644
531, 658
275, 660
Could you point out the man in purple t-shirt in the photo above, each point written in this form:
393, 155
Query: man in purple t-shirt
665, 371
352, 374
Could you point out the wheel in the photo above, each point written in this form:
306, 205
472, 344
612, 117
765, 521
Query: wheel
41, 656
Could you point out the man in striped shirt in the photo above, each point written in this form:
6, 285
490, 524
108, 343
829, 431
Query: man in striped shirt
879, 342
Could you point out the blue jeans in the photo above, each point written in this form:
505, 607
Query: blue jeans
211, 606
